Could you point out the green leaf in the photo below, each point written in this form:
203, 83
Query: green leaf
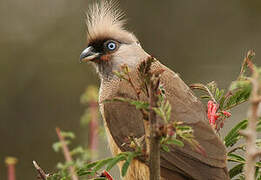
235, 158
90, 165
83, 172
77, 150
221, 94
165, 147
221, 102
233, 136
102, 163
240, 94
58, 145
140, 104
175, 142
68, 134
126, 165
116, 159
238, 169
159, 112
217, 94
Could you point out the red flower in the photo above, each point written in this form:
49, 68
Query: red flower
226, 114
213, 115
212, 112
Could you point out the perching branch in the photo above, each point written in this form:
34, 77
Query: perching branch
250, 133
150, 83
67, 154
154, 156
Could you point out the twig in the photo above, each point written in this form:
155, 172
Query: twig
150, 86
204, 88
246, 62
41, 173
67, 154
154, 155
11, 162
250, 133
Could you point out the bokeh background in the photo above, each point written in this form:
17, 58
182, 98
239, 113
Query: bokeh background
41, 79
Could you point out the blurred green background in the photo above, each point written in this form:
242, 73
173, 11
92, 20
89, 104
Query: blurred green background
41, 78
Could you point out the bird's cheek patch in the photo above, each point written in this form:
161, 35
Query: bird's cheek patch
105, 57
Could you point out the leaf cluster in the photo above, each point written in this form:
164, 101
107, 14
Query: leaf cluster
234, 155
92, 168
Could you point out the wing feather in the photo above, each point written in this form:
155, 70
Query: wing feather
124, 120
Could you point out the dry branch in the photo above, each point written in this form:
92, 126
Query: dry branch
154, 156
250, 133
67, 154
41, 173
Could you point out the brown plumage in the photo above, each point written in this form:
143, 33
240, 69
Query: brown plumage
109, 47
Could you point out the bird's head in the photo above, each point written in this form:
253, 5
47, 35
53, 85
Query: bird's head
110, 45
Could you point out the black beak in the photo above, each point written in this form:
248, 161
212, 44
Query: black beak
88, 54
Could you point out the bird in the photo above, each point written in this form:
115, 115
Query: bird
110, 46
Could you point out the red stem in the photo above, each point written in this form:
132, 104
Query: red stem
66, 153
10, 162
11, 172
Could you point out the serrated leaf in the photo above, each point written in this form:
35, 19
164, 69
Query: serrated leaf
58, 145
68, 134
126, 165
221, 102
168, 113
102, 163
77, 150
90, 165
175, 142
235, 158
233, 136
239, 96
83, 173
184, 129
217, 94
165, 148
117, 159
140, 104
159, 112
221, 94
238, 169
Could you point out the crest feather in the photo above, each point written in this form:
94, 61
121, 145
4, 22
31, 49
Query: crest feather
105, 20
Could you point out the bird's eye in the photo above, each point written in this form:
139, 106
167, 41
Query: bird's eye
111, 46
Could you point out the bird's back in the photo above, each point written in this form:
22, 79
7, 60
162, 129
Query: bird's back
123, 120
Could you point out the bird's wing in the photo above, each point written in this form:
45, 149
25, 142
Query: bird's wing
123, 120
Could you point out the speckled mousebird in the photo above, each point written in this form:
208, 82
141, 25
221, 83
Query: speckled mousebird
110, 46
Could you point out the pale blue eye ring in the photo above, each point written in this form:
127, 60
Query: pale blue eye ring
111, 46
